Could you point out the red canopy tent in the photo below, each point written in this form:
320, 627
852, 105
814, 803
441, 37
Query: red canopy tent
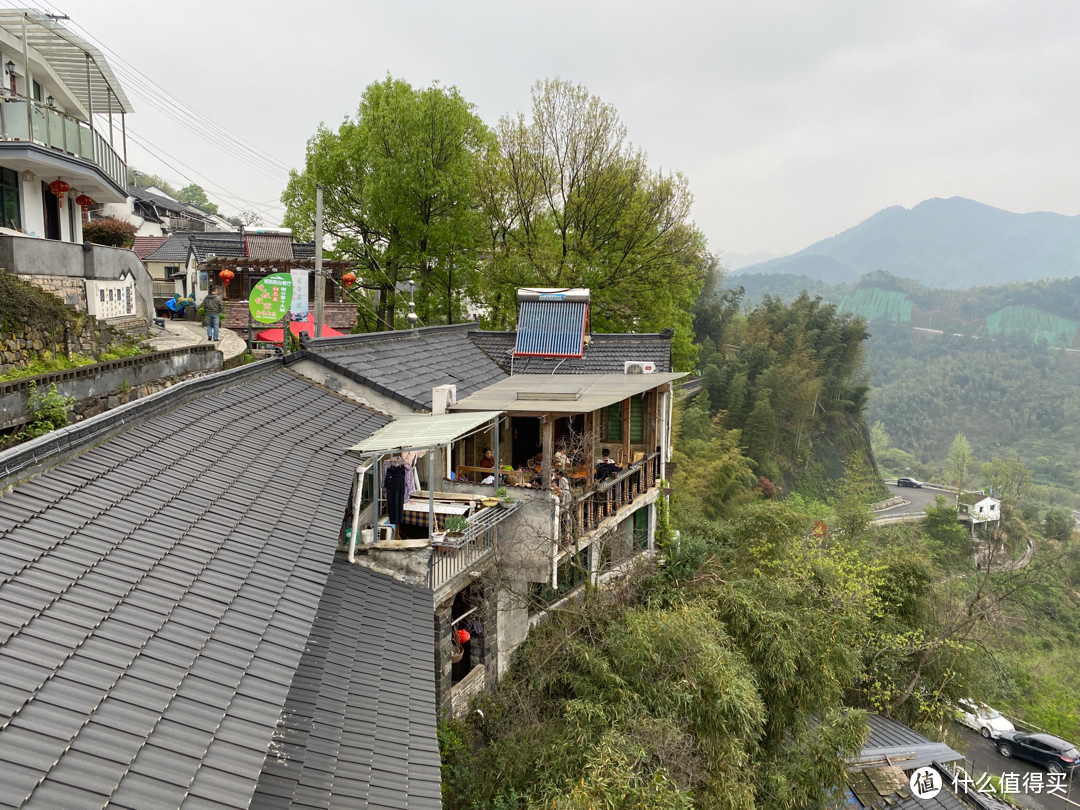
296, 327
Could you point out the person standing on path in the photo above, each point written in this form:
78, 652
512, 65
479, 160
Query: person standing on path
213, 306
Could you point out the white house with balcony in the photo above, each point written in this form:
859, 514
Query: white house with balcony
62, 118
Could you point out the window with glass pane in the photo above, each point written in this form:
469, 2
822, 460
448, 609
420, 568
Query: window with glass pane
9, 199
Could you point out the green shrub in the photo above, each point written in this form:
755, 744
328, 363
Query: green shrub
110, 232
48, 411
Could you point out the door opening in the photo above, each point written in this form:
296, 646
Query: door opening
51, 205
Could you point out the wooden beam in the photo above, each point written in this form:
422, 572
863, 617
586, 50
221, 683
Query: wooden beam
591, 422
547, 431
626, 431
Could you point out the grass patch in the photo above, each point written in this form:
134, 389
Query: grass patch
41, 366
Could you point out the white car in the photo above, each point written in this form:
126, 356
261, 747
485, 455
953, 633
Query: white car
982, 718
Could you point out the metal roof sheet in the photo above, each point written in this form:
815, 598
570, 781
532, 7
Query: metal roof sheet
578, 393
66, 53
420, 430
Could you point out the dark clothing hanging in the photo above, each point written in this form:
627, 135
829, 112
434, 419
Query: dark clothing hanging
395, 494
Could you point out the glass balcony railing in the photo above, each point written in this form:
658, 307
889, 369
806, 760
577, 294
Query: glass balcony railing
61, 132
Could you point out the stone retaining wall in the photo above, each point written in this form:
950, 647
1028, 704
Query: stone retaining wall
22, 343
72, 291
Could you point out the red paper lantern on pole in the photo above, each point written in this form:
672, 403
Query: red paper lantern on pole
463, 636
226, 276
59, 188
84, 202
349, 279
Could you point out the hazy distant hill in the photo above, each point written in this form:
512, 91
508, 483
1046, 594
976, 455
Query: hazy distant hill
735, 261
946, 243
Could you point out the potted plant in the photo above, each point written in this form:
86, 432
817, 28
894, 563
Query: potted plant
505, 501
456, 526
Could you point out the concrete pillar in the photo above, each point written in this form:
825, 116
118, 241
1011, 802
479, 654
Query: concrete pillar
652, 525
443, 649
486, 648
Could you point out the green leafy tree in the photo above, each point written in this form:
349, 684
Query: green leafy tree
879, 440
570, 203
853, 498
961, 464
1059, 525
145, 180
194, 195
759, 433
399, 180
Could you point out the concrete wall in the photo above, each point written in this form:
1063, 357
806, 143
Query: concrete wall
103, 386
355, 391
39, 259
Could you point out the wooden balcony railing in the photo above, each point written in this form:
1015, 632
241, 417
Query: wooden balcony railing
589, 510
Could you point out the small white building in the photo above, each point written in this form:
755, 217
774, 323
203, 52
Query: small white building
985, 511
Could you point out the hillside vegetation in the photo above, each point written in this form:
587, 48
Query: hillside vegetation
790, 378
953, 243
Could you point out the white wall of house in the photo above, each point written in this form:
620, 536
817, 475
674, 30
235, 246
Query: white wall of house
125, 211
33, 212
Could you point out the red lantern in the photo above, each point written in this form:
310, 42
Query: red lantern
349, 279
59, 188
84, 202
463, 636
226, 276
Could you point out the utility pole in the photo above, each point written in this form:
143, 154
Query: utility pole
320, 282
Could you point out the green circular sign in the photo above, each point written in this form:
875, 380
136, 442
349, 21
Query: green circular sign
271, 298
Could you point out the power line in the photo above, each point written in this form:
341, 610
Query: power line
182, 112
261, 154
146, 145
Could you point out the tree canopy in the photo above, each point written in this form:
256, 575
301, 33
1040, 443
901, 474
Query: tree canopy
195, 195
417, 188
398, 182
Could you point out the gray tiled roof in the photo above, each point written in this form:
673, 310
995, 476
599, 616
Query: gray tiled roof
220, 244
604, 354
407, 364
359, 720
173, 249
157, 592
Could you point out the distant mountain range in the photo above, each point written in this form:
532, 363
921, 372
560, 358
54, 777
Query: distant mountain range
952, 243
734, 261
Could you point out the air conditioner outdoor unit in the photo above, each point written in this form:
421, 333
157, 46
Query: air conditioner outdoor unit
639, 367
442, 397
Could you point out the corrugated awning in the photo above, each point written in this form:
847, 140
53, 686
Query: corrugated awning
561, 393
66, 52
552, 328
418, 431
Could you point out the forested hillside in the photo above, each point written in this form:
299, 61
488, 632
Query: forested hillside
790, 378
1008, 396
952, 243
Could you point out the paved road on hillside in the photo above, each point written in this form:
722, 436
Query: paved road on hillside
920, 499
983, 757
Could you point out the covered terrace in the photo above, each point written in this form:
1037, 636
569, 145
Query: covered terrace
459, 522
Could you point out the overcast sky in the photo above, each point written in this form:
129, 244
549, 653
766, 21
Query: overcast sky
792, 120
